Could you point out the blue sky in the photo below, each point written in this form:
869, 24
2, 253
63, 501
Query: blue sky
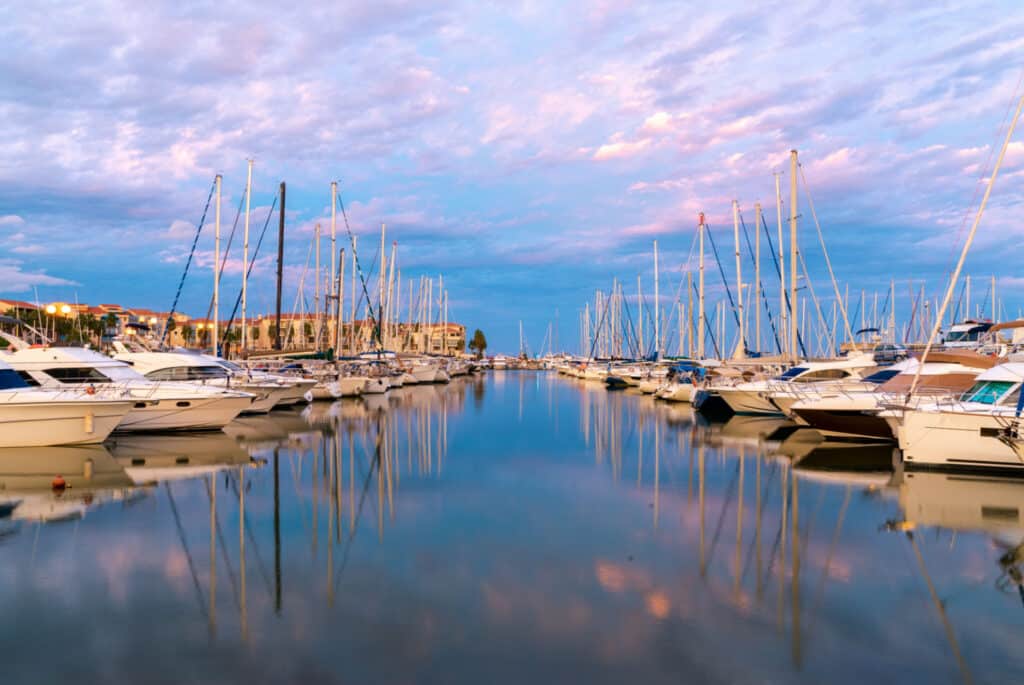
530, 152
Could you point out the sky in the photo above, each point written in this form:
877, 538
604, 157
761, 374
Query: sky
529, 152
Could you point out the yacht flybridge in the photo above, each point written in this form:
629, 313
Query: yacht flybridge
156, 406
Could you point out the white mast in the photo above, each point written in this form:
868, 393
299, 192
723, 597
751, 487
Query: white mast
757, 276
316, 286
352, 326
657, 311
245, 256
640, 316
216, 271
700, 292
338, 311
783, 315
380, 288
793, 331
334, 248
741, 344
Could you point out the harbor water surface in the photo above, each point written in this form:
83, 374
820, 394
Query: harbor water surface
511, 528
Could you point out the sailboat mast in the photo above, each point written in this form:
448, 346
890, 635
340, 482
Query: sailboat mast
700, 288
783, 315
245, 257
352, 324
657, 312
640, 317
316, 285
280, 273
792, 255
216, 270
757, 276
739, 274
380, 289
334, 238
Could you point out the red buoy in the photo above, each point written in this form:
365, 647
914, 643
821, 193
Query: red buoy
58, 482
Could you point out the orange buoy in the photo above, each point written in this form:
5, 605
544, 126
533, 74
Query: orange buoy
58, 482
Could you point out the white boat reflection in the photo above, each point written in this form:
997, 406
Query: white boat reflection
157, 458
48, 484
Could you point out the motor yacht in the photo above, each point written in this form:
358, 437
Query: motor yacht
858, 414
979, 430
196, 369
157, 406
33, 417
758, 396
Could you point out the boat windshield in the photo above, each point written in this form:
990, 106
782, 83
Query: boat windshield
75, 375
987, 392
964, 336
10, 380
231, 366
791, 373
880, 377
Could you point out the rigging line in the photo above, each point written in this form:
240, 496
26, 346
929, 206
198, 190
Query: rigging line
188, 553
817, 305
725, 282
375, 464
721, 515
708, 331
252, 262
181, 284
789, 305
828, 261
597, 329
224, 260
760, 285
377, 334
967, 245
977, 185
224, 549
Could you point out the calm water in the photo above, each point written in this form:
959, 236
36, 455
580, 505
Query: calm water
516, 528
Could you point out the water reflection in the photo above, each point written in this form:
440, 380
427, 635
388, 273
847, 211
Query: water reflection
519, 527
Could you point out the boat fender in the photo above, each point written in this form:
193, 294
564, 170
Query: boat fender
58, 483
91, 390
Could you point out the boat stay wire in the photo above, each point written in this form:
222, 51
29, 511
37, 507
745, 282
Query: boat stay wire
789, 305
725, 282
188, 263
252, 262
379, 320
760, 285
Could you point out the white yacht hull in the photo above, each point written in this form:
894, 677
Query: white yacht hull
41, 424
954, 439
212, 413
677, 392
744, 401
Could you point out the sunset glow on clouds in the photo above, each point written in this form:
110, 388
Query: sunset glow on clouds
528, 151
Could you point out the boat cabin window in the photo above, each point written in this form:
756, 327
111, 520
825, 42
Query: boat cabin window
11, 380
822, 375
970, 335
1011, 399
187, 373
791, 373
84, 374
987, 392
29, 381
882, 376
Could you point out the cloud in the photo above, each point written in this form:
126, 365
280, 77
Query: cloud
11, 220
14, 279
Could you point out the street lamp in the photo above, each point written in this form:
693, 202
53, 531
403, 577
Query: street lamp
65, 309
